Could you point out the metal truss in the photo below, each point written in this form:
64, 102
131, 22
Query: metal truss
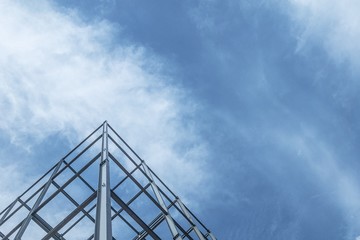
100, 190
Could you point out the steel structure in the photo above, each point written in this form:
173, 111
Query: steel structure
100, 190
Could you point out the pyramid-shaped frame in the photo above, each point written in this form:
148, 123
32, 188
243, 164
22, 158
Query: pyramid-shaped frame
100, 190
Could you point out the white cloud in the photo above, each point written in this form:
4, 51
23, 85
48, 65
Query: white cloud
9, 178
331, 24
334, 26
322, 162
61, 74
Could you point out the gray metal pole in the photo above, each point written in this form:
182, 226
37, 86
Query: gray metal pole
188, 215
168, 217
103, 208
37, 203
212, 236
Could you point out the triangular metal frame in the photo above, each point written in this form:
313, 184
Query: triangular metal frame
142, 206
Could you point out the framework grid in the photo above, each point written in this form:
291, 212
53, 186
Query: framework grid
100, 190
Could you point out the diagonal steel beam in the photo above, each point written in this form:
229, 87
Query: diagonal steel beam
168, 217
134, 216
70, 216
8, 209
68, 182
79, 220
37, 203
42, 223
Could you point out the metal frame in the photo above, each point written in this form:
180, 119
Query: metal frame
103, 210
101, 203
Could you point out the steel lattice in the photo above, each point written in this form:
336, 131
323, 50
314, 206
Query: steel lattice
100, 190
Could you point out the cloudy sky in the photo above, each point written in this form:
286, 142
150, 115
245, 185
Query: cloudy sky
248, 109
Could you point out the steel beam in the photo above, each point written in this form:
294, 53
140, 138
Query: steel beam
103, 229
134, 216
37, 203
42, 223
168, 218
8, 209
212, 236
68, 218
188, 215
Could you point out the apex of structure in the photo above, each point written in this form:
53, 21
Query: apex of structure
100, 190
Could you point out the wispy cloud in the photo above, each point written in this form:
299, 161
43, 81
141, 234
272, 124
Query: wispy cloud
60, 74
331, 24
293, 117
323, 165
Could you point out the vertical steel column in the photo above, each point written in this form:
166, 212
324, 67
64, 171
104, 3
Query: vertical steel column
188, 215
37, 203
168, 218
103, 207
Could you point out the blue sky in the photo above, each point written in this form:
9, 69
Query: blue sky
256, 101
